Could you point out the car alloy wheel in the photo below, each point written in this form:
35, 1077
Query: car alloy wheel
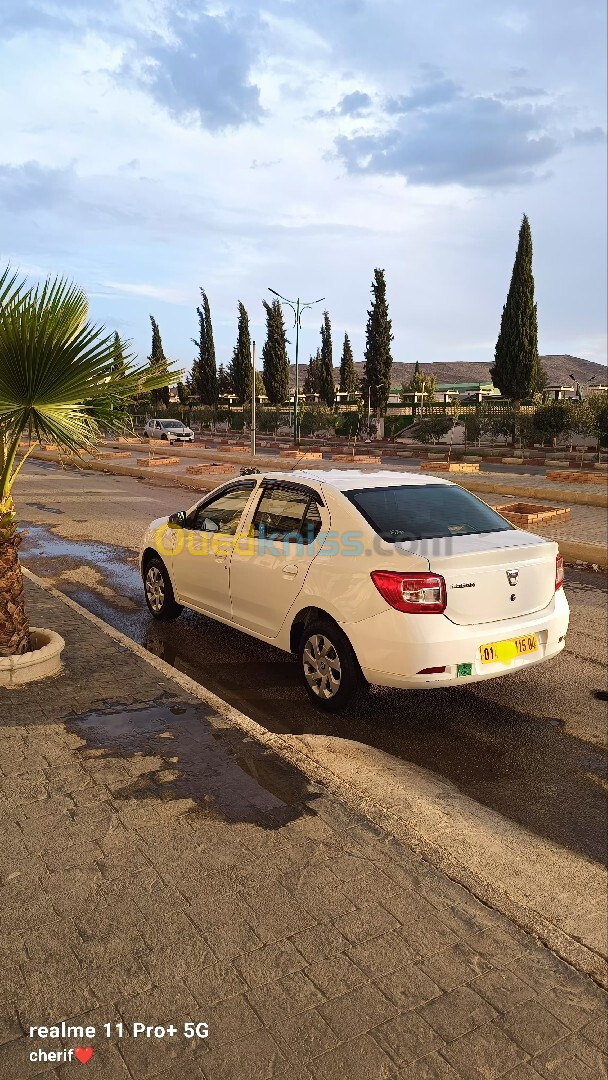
322, 668
155, 588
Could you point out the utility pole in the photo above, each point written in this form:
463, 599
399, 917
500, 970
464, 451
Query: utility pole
297, 306
253, 389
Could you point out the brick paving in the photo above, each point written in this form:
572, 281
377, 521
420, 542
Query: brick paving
157, 865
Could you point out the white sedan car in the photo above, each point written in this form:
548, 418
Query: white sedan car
170, 431
396, 579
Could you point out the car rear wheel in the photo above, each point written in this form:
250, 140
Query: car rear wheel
159, 591
330, 670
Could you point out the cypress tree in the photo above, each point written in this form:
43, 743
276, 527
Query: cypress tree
516, 366
260, 389
118, 362
158, 360
275, 364
421, 383
204, 373
378, 359
327, 390
311, 379
224, 382
348, 376
240, 366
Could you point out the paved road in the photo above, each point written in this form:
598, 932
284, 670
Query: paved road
508, 778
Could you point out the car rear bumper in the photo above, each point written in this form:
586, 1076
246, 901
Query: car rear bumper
393, 648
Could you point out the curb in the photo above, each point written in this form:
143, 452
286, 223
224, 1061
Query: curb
573, 551
532, 922
529, 491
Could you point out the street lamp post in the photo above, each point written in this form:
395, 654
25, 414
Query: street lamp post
297, 306
253, 389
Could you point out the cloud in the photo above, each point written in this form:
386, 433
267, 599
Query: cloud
154, 292
424, 97
357, 103
255, 164
516, 93
33, 186
354, 104
202, 69
589, 136
467, 140
195, 64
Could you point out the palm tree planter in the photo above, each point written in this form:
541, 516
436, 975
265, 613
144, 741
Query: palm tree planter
59, 384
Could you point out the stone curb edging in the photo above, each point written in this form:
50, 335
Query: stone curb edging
529, 491
574, 551
567, 948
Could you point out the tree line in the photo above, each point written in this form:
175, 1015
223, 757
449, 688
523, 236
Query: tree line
516, 371
208, 381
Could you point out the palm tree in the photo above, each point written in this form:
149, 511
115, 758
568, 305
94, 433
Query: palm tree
58, 381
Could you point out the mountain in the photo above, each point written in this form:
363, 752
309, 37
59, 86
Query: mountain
560, 369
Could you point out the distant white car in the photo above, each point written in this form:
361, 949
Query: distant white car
396, 579
169, 430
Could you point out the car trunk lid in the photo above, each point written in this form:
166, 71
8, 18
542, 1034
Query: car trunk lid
493, 576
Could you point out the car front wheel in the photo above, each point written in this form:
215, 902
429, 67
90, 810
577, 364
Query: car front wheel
330, 670
159, 591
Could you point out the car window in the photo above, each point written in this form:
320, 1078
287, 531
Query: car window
223, 513
280, 513
312, 521
416, 512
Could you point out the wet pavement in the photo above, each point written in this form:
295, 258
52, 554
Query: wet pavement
159, 864
225, 773
532, 742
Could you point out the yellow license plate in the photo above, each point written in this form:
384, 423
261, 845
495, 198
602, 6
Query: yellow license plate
502, 652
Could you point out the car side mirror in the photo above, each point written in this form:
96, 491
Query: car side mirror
177, 520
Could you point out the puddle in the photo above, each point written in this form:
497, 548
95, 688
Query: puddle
55, 556
46, 509
182, 752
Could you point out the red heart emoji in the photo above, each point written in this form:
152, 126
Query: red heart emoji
83, 1053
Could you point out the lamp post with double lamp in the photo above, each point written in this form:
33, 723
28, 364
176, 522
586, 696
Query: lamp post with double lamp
297, 306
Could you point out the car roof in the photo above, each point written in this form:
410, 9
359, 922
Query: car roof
354, 479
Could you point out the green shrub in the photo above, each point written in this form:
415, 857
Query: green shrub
348, 424
432, 428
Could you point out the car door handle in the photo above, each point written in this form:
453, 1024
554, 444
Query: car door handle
290, 571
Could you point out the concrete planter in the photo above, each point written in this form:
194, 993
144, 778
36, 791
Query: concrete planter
43, 660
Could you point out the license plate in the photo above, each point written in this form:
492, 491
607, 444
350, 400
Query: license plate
504, 651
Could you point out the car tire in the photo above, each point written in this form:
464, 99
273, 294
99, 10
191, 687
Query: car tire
165, 436
329, 668
158, 591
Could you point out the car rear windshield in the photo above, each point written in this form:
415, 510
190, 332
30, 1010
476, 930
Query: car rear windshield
416, 512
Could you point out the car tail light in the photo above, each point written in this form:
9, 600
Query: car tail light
559, 572
415, 593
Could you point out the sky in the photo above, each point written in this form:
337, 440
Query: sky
153, 147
